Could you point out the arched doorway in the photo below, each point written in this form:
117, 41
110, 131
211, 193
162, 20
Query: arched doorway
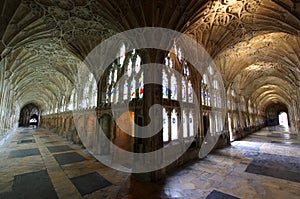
283, 119
123, 137
34, 120
29, 115
274, 111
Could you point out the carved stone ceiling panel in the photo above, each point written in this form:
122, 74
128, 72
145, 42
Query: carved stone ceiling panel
43, 41
225, 23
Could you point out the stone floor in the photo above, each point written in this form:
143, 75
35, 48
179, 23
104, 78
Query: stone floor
35, 163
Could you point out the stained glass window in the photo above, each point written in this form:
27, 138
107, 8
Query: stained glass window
170, 63
179, 54
215, 100
190, 92
208, 99
173, 87
115, 75
141, 86
165, 84
205, 79
174, 126
137, 64
122, 54
112, 95
165, 126
125, 91
219, 101
187, 71
191, 123
184, 98
132, 89
185, 124
129, 68
107, 95
166, 61
117, 94
110, 77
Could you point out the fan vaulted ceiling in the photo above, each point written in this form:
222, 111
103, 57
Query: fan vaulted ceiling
255, 43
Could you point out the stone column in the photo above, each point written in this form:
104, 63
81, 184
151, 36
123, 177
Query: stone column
152, 96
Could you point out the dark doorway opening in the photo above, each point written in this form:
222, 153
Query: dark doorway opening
205, 124
29, 115
274, 116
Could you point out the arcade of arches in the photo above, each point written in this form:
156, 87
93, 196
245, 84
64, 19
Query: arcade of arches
255, 45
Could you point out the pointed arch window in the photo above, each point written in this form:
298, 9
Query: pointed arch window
215, 100
107, 95
186, 70
165, 84
219, 101
141, 86
215, 93
185, 124
173, 87
179, 54
115, 75
165, 126
138, 64
122, 54
174, 125
204, 91
191, 124
133, 89
112, 95
169, 62
117, 94
129, 68
110, 77
183, 92
190, 92
125, 91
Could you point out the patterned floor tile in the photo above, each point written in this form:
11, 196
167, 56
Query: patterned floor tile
90, 183
220, 195
67, 158
24, 153
61, 148
35, 185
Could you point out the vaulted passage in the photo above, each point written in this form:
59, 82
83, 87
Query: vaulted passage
148, 86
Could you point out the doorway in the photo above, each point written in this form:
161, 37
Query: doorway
34, 120
124, 136
29, 115
283, 119
205, 124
